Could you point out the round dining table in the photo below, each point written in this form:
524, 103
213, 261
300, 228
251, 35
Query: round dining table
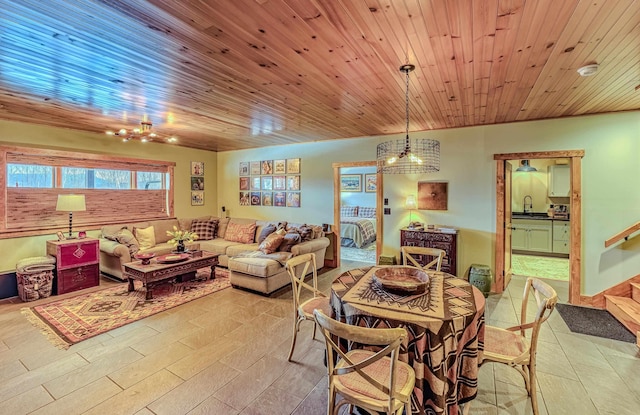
445, 325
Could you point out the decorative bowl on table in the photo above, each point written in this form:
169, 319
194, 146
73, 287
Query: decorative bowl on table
401, 279
171, 258
144, 257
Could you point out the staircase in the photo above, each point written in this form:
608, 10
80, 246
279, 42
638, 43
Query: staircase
627, 309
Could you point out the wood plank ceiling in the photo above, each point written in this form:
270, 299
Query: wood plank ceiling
233, 74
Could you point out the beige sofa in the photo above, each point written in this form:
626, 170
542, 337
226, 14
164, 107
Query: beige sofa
248, 267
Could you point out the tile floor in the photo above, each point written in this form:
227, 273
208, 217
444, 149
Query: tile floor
226, 354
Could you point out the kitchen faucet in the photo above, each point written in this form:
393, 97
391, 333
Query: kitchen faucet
524, 203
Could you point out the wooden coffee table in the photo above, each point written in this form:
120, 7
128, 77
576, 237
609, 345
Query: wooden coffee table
156, 272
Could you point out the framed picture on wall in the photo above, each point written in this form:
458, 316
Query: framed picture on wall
244, 183
293, 199
370, 183
279, 199
267, 183
279, 183
293, 166
197, 183
279, 166
197, 198
266, 167
197, 168
254, 167
245, 199
244, 168
267, 199
350, 182
255, 199
255, 183
293, 182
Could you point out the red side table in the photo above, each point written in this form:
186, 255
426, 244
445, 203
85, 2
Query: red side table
77, 263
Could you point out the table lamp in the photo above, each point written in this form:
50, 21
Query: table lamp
410, 204
71, 203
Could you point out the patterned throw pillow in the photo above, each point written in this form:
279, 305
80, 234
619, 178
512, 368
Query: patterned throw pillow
351, 211
146, 237
204, 228
266, 231
289, 240
238, 232
271, 243
366, 212
125, 237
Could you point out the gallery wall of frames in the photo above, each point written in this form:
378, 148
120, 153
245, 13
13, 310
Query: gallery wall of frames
270, 183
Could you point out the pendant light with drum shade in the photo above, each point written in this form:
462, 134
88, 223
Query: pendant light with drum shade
408, 156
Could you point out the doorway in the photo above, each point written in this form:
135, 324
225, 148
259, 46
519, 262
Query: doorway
504, 225
540, 241
360, 202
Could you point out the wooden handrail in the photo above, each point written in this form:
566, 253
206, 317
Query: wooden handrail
622, 235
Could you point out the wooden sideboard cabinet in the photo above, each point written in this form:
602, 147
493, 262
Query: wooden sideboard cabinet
434, 238
77, 263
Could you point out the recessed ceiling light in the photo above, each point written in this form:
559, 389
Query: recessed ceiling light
588, 70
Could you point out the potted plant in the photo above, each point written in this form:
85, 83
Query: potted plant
180, 237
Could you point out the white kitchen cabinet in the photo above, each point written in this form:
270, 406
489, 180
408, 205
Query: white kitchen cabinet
532, 235
561, 241
558, 180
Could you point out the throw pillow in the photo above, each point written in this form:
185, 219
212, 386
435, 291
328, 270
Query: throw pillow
146, 237
125, 237
271, 243
266, 231
204, 228
290, 239
109, 231
239, 232
349, 211
366, 212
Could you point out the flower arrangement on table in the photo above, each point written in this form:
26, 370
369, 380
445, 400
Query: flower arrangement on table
179, 237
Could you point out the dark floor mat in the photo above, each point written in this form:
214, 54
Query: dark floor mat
594, 322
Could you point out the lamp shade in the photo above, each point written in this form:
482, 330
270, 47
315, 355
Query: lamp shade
410, 203
71, 203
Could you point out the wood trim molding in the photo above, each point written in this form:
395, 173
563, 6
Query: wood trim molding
622, 289
575, 254
336, 203
539, 155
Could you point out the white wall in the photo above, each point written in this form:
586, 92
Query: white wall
611, 201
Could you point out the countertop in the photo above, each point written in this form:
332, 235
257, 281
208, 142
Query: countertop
536, 216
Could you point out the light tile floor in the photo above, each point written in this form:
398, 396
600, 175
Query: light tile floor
226, 354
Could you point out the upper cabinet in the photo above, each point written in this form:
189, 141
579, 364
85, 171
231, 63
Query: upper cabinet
559, 183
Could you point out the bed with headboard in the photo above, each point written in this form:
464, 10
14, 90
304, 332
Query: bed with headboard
357, 226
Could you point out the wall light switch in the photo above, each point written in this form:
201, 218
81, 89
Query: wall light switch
386, 201
387, 211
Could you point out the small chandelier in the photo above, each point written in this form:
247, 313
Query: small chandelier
142, 133
407, 156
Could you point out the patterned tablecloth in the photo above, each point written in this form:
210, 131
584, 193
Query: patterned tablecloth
445, 326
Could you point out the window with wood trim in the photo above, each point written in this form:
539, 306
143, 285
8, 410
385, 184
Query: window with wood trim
116, 189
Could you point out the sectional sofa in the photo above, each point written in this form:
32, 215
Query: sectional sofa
237, 240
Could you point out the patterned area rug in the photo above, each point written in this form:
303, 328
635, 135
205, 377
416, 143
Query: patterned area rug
72, 320
541, 267
366, 254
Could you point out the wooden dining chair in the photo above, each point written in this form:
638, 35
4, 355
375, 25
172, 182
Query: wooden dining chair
511, 346
298, 267
372, 381
409, 254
